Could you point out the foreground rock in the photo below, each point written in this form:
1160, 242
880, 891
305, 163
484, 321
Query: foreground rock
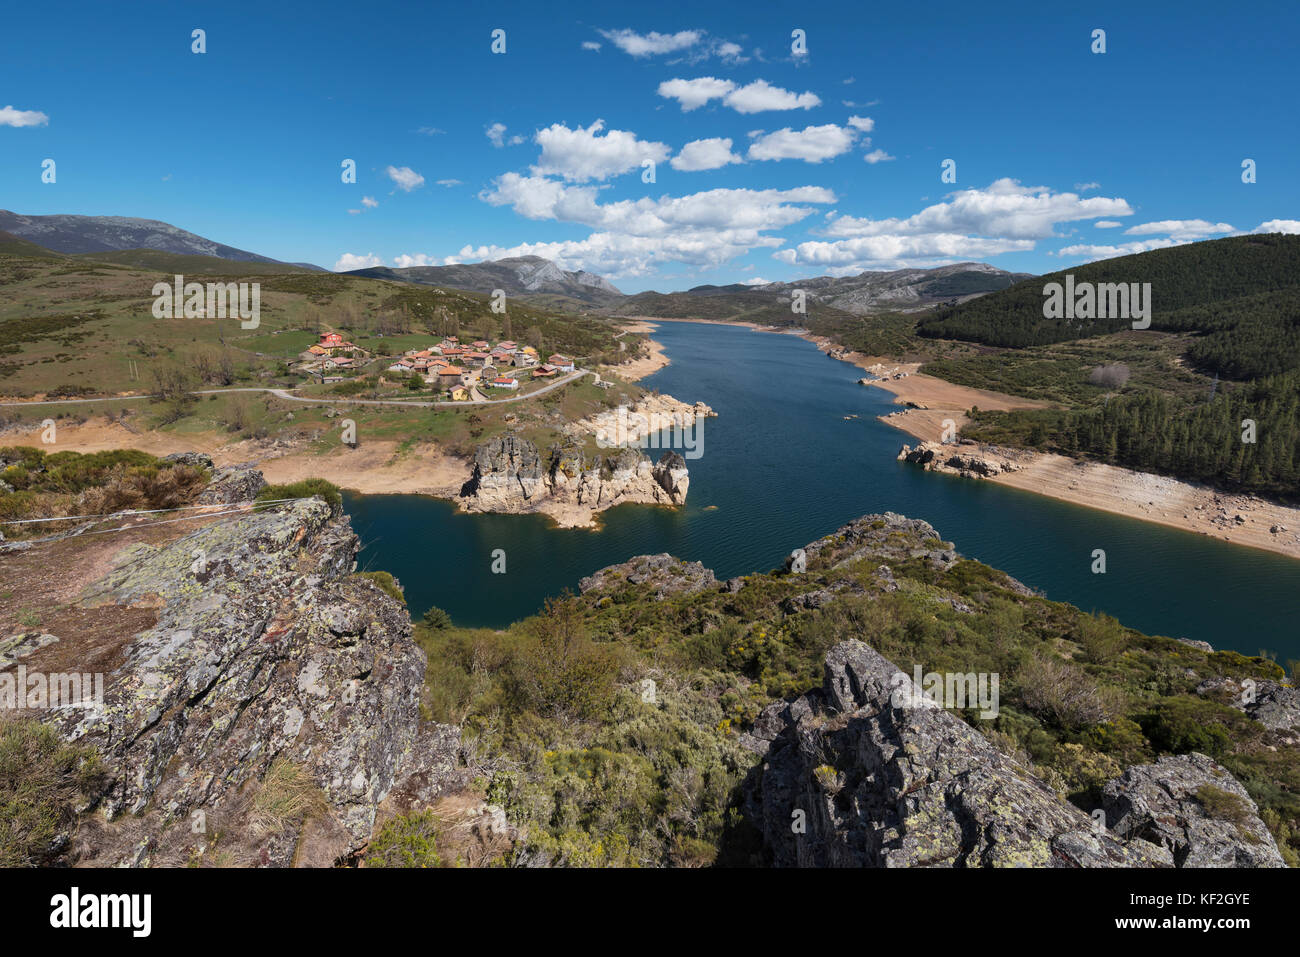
1193, 808
664, 574
511, 475
270, 712
853, 777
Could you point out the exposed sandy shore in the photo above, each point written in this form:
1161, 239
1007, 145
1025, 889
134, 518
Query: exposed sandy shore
642, 366
1237, 518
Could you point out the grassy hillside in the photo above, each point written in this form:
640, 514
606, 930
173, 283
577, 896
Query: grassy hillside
84, 325
731, 305
599, 775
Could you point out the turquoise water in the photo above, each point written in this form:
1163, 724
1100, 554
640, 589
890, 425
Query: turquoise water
781, 467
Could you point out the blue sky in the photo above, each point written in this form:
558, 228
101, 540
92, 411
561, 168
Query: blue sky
834, 159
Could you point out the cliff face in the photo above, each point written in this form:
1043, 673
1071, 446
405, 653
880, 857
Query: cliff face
852, 776
510, 475
267, 714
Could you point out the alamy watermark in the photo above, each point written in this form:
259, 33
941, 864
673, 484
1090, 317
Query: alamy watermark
949, 689
213, 300
1105, 300
38, 691
624, 428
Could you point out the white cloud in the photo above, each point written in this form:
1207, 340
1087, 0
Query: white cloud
352, 261
755, 281
406, 178
430, 131
705, 154
730, 52
449, 182
1004, 208
1107, 223
580, 154
1180, 229
369, 202
590, 45
652, 43
11, 117
1090, 252
1084, 187
755, 97
692, 94
632, 237
811, 144
863, 123
970, 224
1291, 226
496, 133
877, 156
760, 95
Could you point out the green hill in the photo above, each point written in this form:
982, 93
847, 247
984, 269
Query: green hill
1209, 287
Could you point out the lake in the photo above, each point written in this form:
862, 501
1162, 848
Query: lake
782, 466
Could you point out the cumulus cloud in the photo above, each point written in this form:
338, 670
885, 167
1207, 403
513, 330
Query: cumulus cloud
969, 224
1091, 252
632, 237
755, 97
1291, 226
877, 156
1004, 208
692, 94
811, 144
1107, 223
1180, 229
497, 134
581, 154
406, 178
590, 45
864, 124
369, 202
12, 117
705, 154
760, 95
352, 261
652, 43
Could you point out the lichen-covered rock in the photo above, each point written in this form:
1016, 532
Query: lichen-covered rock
195, 460
851, 778
1273, 705
665, 575
1193, 808
238, 483
266, 654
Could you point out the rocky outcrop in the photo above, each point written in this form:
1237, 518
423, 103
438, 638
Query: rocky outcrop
510, 475
238, 483
664, 574
272, 680
966, 459
856, 775
1273, 705
1193, 808
888, 536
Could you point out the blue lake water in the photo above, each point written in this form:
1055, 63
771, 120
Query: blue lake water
782, 466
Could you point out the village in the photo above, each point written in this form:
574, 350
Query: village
476, 371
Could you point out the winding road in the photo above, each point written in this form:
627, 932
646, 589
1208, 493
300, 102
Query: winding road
337, 400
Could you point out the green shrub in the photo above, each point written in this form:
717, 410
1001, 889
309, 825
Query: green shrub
387, 583
304, 489
1182, 724
410, 840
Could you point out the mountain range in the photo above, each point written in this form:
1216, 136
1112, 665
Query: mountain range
132, 241
74, 235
